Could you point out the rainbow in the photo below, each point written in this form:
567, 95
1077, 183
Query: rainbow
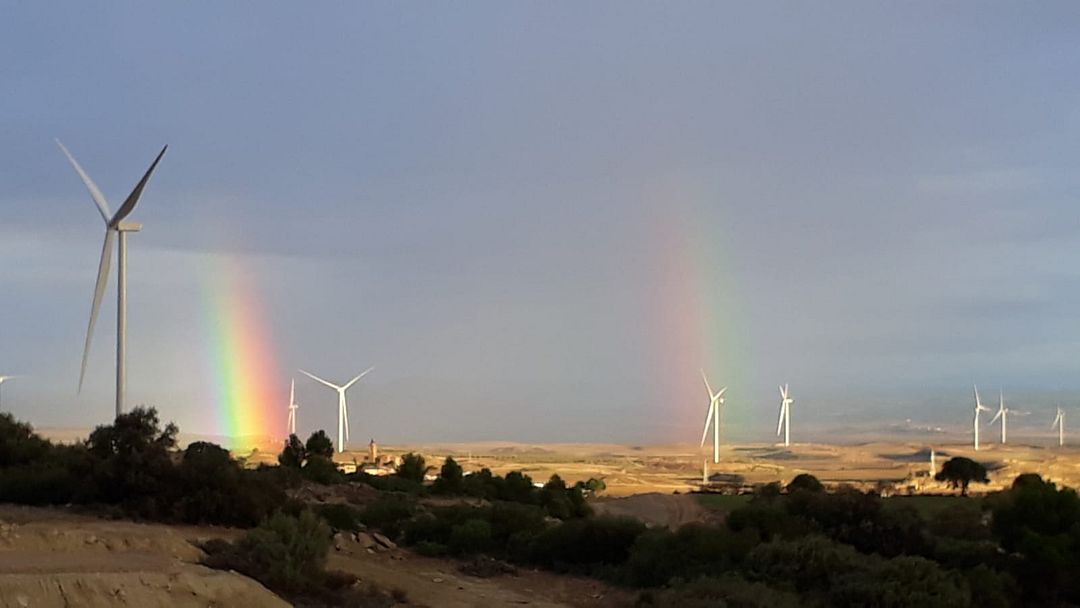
696, 319
241, 355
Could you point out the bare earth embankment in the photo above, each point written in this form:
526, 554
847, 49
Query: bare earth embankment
52, 558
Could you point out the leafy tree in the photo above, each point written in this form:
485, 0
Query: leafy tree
1041, 523
518, 487
321, 470
959, 472
19, 444
294, 453
319, 444
413, 467
132, 463
805, 482
450, 477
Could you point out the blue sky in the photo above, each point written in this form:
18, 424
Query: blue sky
472, 198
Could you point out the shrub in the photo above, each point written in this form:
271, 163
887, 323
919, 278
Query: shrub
285, 553
413, 468
293, 454
518, 487
341, 517
321, 470
473, 536
319, 444
450, 478
660, 555
728, 591
805, 482
388, 513
577, 543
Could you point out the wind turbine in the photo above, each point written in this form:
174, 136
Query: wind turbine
785, 415
716, 401
4, 379
1059, 424
114, 224
979, 407
292, 407
1003, 413
343, 407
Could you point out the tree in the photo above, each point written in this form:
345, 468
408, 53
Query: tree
959, 472
132, 463
294, 453
805, 482
320, 445
413, 467
450, 477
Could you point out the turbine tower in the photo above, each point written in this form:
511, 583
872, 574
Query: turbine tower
1003, 413
292, 407
785, 415
979, 407
1059, 424
4, 379
114, 225
343, 407
716, 401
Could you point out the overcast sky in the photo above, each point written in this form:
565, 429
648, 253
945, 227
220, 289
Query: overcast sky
539, 220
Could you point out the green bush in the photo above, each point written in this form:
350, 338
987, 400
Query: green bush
584, 544
293, 454
285, 553
319, 444
728, 591
473, 536
413, 467
451, 477
389, 513
322, 471
341, 517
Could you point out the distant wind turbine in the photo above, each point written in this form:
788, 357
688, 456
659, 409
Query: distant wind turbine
343, 407
785, 415
1059, 424
979, 407
114, 224
4, 379
292, 407
716, 402
1003, 413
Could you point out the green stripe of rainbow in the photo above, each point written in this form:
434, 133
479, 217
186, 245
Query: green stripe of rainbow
244, 369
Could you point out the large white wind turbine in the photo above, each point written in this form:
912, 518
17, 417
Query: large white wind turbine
4, 379
785, 415
1003, 413
979, 407
716, 402
292, 407
343, 407
114, 224
1059, 424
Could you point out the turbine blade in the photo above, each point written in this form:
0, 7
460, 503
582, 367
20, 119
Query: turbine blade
996, 416
707, 387
353, 381
95, 193
780, 423
318, 379
292, 392
99, 291
129, 203
708, 419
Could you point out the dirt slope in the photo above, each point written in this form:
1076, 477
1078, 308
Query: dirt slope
51, 558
